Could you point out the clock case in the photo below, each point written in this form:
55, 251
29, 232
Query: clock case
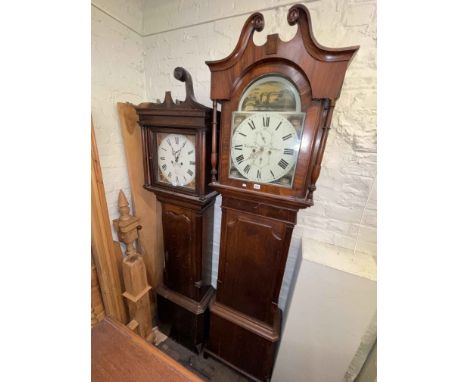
187, 217
257, 222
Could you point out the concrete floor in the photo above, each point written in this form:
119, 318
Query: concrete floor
207, 369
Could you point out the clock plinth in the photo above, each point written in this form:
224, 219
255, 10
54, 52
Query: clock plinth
175, 137
277, 104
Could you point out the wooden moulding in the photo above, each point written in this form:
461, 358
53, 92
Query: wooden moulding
186, 302
270, 333
102, 246
145, 205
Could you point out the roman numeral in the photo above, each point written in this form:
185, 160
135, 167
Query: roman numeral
273, 175
283, 164
192, 163
240, 159
164, 166
247, 169
279, 124
162, 148
259, 174
176, 140
288, 151
242, 134
252, 125
190, 172
190, 152
163, 158
287, 136
266, 121
169, 175
238, 147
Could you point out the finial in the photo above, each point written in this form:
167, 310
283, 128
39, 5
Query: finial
184, 76
293, 15
124, 209
258, 22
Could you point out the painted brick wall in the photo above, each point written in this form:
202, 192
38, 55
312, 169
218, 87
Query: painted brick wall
117, 70
139, 62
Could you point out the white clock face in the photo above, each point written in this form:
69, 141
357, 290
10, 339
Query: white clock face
264, 146
176, 160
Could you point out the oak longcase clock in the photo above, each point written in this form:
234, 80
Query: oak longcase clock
277, 102
176, 137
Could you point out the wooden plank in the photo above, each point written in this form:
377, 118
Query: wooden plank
97, 307
145, 206
119, 259
102, 245
118, 354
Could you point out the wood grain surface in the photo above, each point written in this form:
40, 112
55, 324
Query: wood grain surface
102, 245
119, 355
145, 205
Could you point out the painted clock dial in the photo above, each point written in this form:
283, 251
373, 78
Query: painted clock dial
176, 160
264, 147
267, 132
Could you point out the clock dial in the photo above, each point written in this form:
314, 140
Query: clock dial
264, 146
176, 160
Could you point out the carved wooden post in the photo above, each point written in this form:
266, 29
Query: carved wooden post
134, 273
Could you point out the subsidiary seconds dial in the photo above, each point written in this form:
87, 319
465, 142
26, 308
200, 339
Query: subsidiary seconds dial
264, 147
176, 159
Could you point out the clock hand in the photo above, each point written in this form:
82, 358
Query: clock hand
178, 151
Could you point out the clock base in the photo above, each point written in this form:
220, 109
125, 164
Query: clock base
243, 343
184, 320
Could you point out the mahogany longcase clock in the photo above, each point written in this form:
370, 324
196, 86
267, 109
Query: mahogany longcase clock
175, 141
277, 102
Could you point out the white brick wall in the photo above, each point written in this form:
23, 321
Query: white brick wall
117, 71
187, 33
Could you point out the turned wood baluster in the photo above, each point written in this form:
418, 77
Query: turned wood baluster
134, 273
214, 154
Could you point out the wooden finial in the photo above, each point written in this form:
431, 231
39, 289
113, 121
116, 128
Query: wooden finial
183, 75
124, 209
126, 225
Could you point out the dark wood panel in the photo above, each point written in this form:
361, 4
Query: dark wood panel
178, 233
246, 352
252, 252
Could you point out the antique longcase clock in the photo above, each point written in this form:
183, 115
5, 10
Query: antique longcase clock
175, 141
277, 102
